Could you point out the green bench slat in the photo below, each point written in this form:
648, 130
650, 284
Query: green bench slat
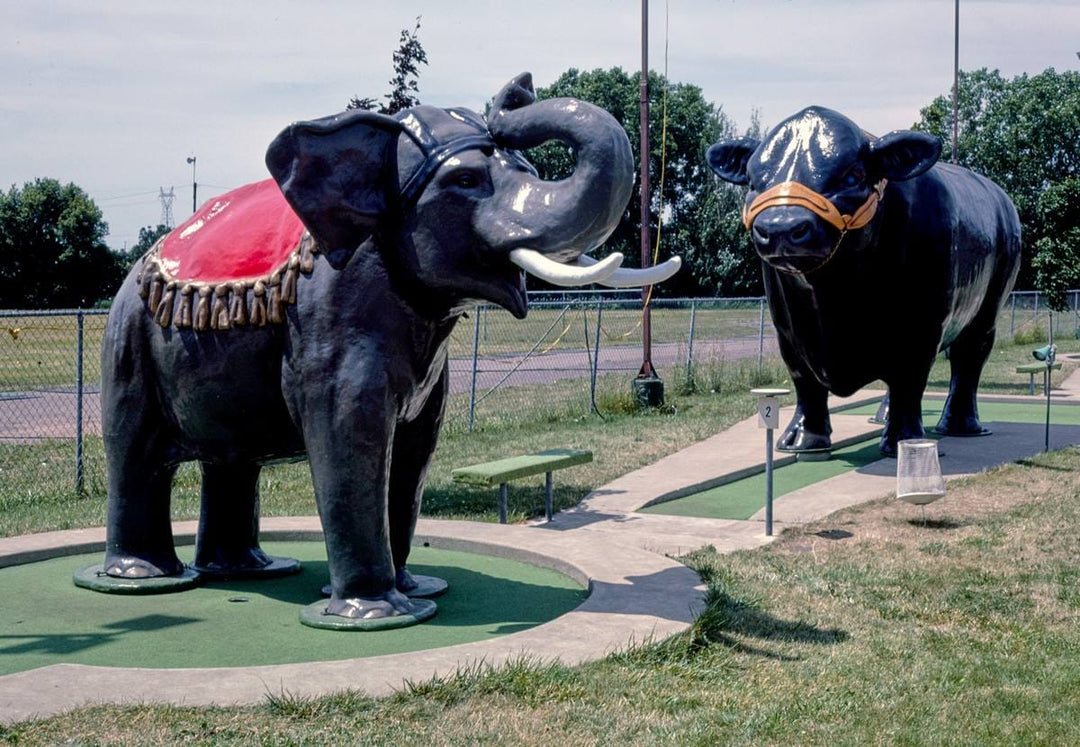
504, 470
1036, 367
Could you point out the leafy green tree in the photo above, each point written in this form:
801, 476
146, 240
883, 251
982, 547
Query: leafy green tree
1057, 251
700, 216
405, 86
1023, 133
148, 236
52, 248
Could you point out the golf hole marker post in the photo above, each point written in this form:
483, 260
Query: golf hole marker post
769, 419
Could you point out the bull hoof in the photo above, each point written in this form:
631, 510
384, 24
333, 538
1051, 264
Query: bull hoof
963, 427
801, 440
97, 578
390, 610
251, 562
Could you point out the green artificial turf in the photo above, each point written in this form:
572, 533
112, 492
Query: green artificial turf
45, 619
743, 498
990, 412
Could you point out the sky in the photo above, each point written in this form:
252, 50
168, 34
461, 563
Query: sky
116, 95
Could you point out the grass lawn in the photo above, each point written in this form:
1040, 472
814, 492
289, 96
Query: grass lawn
867, 627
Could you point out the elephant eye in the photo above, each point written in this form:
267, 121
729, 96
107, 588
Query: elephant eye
466, 180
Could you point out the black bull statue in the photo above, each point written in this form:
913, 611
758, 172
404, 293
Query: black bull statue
221, 351
874, 259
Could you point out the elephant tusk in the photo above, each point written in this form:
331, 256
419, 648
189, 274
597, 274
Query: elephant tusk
557, 273
630, 278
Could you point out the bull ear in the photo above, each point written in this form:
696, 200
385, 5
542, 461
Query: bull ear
903, 154
339, 174
728, 158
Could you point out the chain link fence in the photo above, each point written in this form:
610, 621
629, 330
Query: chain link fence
574, 354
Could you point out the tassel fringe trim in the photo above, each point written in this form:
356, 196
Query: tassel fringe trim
253, 302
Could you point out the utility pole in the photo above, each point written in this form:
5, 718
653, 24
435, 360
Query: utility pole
194, 186
166, 205
956, 82
647, 387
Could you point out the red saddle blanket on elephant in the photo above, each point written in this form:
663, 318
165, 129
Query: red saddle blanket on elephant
235, 262
246, 233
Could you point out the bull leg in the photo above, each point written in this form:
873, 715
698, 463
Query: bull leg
414, 444
227, 544
810, 428
967, 356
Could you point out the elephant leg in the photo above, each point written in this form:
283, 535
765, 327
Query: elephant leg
967, 356
348, 424
414, 444
227, 544
810, 428
139, 540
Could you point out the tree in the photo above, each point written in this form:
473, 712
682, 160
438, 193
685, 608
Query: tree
148, 236
700, 217
52, 248
1023, 133
1057, 251
409, 56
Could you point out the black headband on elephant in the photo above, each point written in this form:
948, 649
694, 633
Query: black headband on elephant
437, 153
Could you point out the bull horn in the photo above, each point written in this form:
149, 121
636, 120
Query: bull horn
631, 278
556, 273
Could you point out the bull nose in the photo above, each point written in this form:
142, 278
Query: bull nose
790, 229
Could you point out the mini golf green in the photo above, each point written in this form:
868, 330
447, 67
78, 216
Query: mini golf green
46, 619
741, 499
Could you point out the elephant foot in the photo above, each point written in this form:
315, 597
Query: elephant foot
418, 586
131, 566
414, 586
130, 576
383, 612
249, 562
799, 439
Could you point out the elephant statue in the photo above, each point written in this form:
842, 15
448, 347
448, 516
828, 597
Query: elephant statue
310, 316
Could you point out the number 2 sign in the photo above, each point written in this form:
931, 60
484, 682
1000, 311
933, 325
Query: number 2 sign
769, 412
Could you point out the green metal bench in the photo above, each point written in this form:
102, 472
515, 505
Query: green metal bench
502, 471
1033, 368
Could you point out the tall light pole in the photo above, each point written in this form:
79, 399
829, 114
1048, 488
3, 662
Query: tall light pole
956, 81
648, 388
195, 186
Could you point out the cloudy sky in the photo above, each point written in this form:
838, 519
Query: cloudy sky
115, 95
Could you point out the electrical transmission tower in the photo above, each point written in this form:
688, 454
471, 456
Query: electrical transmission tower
166, 205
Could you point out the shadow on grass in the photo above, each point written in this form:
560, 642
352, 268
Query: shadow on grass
936, 524
726, 617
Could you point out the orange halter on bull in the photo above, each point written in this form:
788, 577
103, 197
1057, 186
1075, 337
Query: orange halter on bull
793, 193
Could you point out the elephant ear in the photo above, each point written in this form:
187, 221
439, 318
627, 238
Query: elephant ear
339, 174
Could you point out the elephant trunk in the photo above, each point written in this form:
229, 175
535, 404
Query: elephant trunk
559, 219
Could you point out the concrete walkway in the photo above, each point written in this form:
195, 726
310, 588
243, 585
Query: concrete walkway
622, 555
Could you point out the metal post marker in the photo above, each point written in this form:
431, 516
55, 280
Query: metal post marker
1046, 354
769, 418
